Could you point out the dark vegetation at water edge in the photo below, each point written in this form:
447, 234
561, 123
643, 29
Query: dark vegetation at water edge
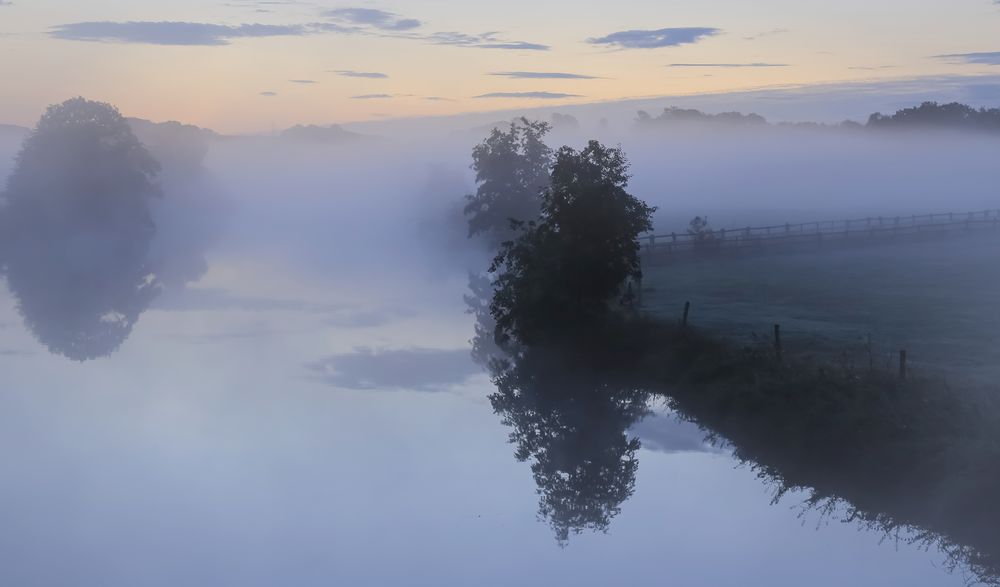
575, 363
911, 454
913, 458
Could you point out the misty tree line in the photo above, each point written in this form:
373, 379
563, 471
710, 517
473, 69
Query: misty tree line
953, 115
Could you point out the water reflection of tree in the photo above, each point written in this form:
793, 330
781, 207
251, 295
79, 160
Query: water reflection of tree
571, 422
569, 417
79, 228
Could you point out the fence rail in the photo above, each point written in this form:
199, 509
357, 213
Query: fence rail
874, 228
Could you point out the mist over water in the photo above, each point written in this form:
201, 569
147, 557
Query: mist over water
296, 399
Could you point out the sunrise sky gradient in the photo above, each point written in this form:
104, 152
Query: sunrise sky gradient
252, 65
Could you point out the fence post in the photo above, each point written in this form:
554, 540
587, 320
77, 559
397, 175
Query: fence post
777, 340
902, 364
687, 309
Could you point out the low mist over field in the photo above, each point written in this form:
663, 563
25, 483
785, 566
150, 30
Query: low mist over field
432, 293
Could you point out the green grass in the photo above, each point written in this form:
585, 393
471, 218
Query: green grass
939, 300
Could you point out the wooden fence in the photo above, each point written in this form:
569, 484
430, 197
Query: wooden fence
662, 247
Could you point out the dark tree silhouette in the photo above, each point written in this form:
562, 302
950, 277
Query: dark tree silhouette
932, 114
512, 167
683, 115
80, 227
568, 270
571, 423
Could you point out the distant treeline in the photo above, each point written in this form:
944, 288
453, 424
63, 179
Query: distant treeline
928, 115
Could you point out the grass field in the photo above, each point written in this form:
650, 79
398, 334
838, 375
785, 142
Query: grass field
939, 300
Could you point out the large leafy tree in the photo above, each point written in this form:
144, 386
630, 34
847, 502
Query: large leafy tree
79, 227
512, 168
568, 270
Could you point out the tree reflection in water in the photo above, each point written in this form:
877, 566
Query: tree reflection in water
571, 422
78, 242
79, 228
913, 460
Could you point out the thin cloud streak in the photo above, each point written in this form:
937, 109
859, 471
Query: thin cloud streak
530, 95
541, 75
361, 74
170, 32
985, 58
372, 17
728, 65
481, 41
655, 39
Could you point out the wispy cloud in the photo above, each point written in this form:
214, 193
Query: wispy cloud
541, 75
653, 39
170, 33
269, 94
727, 65
348, 21
304, 82
871, 67
372, 17
764, 34
987, 58
488, 40
362, 74
514, 45
372, 97
531, 95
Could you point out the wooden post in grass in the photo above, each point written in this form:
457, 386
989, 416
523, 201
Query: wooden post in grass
684, 320
902, 364
777, 340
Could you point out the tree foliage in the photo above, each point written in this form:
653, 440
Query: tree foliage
512, 167
567, 270
79, 225
932, 114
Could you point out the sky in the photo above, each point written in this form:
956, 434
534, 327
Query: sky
256, 65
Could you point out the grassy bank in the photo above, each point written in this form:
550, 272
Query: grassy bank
936, 299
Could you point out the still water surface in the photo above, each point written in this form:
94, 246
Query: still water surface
261, 427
